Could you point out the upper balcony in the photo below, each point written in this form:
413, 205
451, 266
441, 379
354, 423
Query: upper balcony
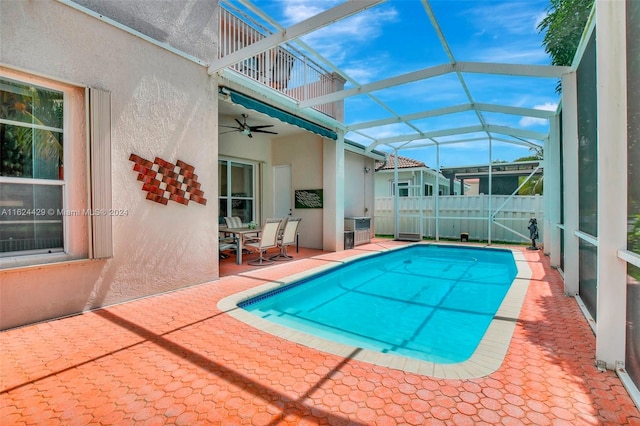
282, 68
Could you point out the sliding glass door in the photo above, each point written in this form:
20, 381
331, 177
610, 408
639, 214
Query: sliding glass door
237, 190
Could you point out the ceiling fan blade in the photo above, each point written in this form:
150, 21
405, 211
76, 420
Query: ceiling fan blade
261, 126
230, 127
230, 131
244, 128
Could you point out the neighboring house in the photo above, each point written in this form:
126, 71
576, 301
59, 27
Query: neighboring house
505, 177
120, 94
473, 187
415, 179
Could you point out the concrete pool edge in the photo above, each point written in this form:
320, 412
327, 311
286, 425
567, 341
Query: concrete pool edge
486, 359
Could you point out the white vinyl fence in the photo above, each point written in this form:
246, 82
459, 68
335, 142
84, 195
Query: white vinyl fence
462, 213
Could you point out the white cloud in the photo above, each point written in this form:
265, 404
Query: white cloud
336, 41
508, 18
533, 121
512, 29
296, 11
539, 19
547, 106
364, 26
360, 26
514, 53
362, 74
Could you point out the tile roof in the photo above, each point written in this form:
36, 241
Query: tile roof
403, 163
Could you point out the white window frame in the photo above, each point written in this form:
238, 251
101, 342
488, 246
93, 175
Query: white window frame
402, 185
428, 190
36, 181
78, 137
229, 197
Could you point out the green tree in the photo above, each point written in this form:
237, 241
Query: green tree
26, 151
533, 185
563, 26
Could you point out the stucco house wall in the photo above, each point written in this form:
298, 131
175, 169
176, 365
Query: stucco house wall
187, 25
303, 152
162, 105
359, 185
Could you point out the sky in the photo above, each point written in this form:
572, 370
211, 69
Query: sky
397, 37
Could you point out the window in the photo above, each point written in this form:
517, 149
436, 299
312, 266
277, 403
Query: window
403, 188
237, 194
31, 168
428, 190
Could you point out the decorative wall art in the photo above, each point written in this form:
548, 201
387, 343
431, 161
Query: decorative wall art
308, 198
164, 181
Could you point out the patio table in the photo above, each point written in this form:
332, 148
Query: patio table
240, 233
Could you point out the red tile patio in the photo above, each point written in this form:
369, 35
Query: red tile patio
176, 359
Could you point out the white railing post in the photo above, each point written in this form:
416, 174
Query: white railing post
490, 217
396, 208
421, 227
305, 82
437, 192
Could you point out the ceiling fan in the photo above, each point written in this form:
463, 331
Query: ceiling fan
245, 129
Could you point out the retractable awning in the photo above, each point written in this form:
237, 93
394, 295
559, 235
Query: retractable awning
256, 105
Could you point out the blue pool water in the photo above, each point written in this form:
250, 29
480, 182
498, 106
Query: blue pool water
429, 302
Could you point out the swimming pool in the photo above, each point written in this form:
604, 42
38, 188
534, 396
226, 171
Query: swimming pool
423, 308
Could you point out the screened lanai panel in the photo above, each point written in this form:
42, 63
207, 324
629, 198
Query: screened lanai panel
633, 118
632, 361
588, 174
588, 274
561, 191
588, 141
632, 357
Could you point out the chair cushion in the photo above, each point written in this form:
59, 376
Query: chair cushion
233, 222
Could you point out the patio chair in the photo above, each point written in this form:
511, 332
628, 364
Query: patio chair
268, 239
287, 238
233, 222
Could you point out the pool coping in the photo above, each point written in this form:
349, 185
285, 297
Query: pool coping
485, 360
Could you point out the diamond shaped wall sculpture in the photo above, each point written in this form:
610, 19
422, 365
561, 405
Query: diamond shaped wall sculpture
164, 181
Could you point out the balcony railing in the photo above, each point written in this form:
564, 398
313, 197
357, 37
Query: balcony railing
283, 68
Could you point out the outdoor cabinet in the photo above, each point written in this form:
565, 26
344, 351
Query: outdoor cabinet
361, 226
348, 240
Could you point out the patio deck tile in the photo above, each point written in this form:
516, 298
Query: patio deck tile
176, 358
